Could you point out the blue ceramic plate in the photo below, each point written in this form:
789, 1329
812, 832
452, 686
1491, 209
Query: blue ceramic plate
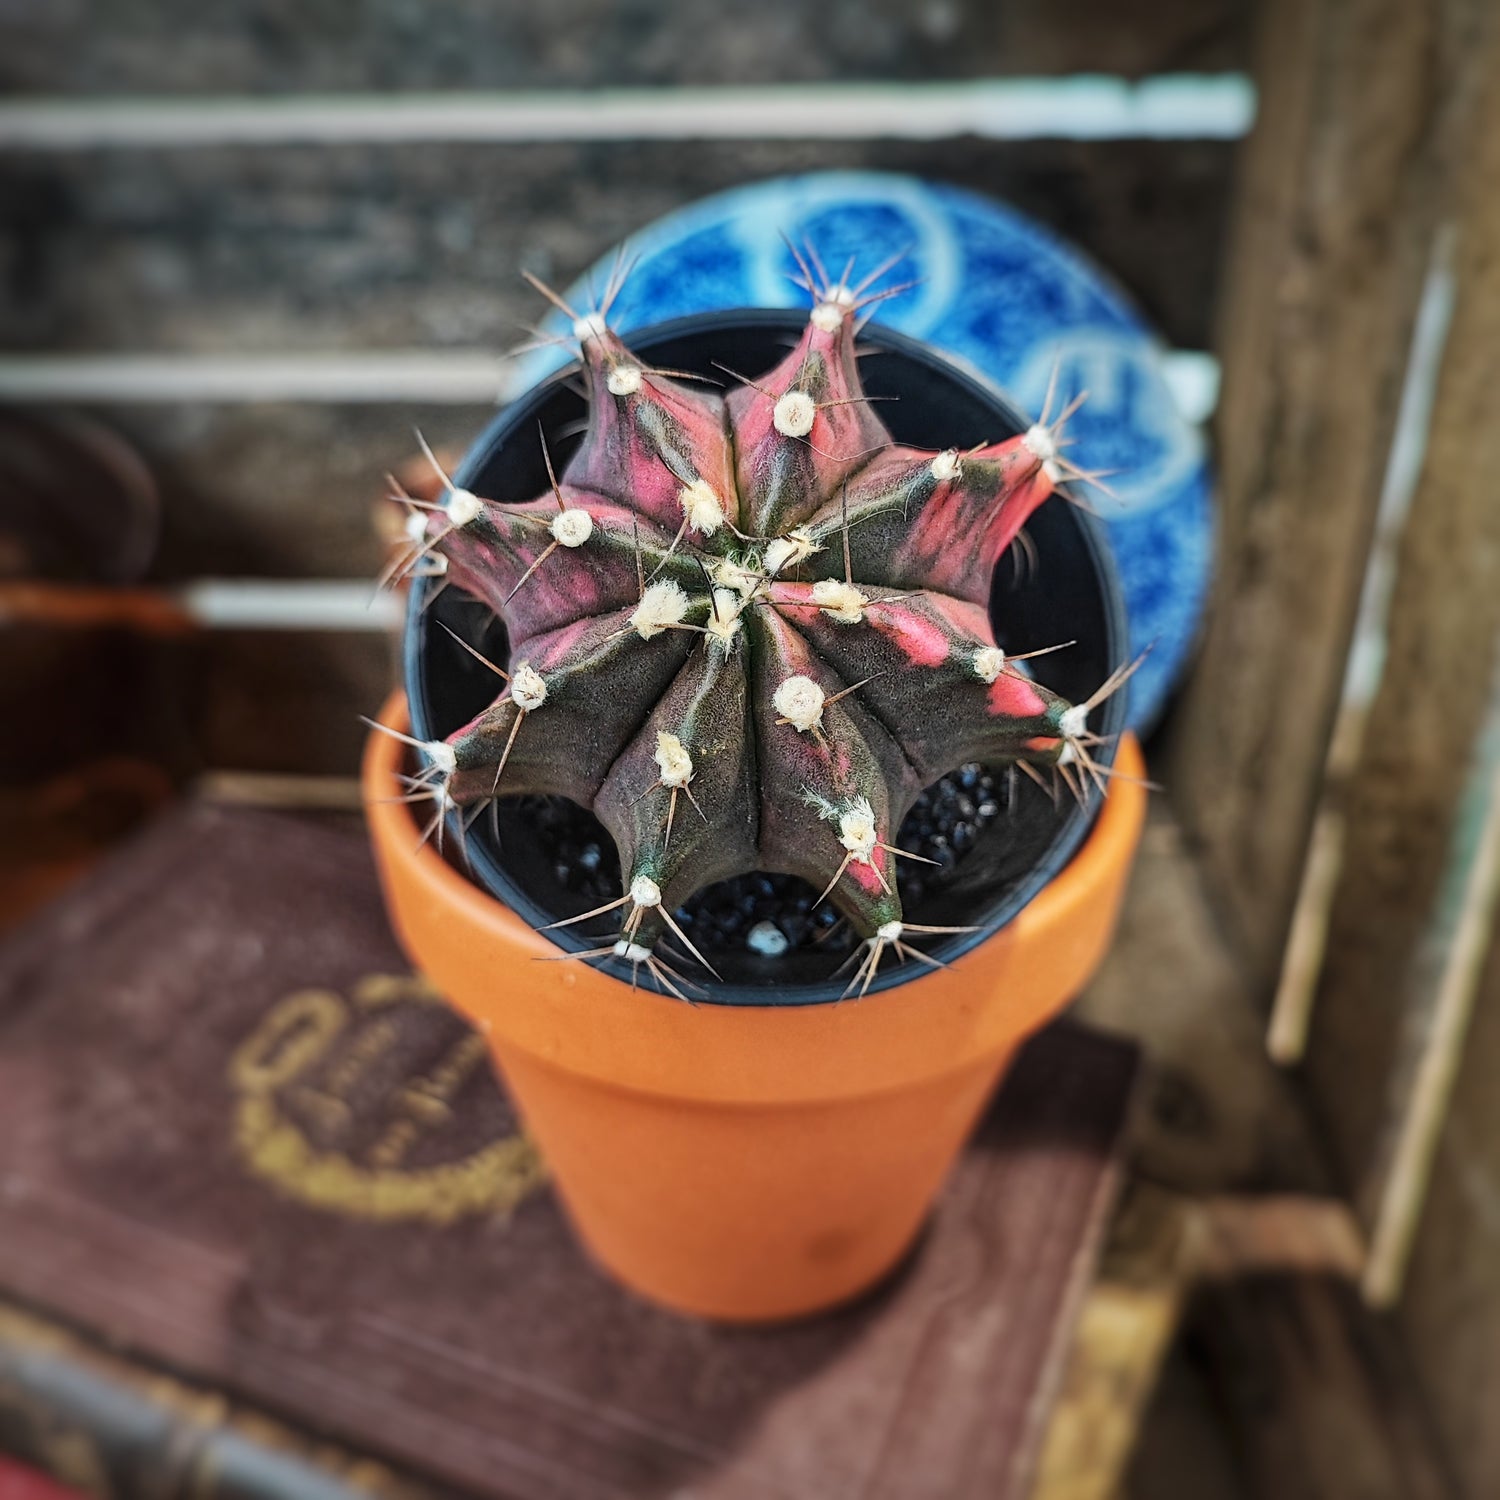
1001, 296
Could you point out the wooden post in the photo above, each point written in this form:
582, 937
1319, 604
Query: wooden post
1372, 176
1405, 1043
1331, 233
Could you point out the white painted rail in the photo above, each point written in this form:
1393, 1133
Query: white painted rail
389, 376
1218, 106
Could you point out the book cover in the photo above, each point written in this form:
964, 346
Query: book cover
240, 1138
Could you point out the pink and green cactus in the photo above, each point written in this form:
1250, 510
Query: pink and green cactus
748, 629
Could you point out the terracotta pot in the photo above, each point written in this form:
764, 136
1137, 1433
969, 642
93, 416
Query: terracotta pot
746, 1163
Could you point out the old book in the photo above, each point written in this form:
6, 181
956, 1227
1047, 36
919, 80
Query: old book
239, 1138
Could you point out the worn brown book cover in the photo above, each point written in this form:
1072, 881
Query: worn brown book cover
238, 1137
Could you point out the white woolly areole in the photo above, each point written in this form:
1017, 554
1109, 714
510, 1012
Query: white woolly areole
572, 527
662, 606
988, 662
1040, 441
794, 414
676, 764
789, 550
644, 891
527, 690
946, 466
591, 327
438, 563
889, 932
857, 831
827, 317
462, 506
623, 380
730, 573
840, 601
635, 952
443, 756
724, 619
799, 700
1074, 721
701, 506
1043, 446
416, 526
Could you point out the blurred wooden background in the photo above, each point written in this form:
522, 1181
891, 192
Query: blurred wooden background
1303, 258
285, 250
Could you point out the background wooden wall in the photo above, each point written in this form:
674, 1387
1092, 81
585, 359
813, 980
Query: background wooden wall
287, 249
1378, 129
1369, 193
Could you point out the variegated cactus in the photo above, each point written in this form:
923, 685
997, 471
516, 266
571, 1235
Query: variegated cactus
748, 630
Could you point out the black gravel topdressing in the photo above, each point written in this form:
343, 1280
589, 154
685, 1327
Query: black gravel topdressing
942, 826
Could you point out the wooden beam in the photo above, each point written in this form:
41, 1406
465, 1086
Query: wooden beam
1161, 1246
1404, 1044
1338, 193
1314, 1392
1373, 170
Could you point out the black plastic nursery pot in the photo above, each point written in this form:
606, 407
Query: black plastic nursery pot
997, 838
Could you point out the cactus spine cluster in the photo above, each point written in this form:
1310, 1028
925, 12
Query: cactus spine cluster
748, 629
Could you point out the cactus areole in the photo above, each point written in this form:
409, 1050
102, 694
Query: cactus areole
746, 621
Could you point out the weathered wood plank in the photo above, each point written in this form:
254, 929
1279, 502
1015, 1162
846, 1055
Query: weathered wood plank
1416, 811
1330, 236
283, 490
144, 45
1380, 130
1216, 1115
230, 700
419, 246
1438, 678
1315, 1393
1183, 1451
287, 701
1451, 1311
1162, 1245
1125, 1329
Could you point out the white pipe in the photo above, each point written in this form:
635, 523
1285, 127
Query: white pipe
1080, 107
290, 604
459, 377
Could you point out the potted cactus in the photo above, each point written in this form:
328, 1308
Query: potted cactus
770, 804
